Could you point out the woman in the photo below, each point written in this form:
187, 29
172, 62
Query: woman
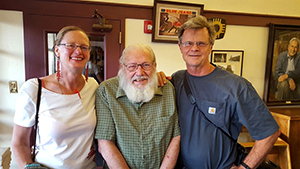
67, 110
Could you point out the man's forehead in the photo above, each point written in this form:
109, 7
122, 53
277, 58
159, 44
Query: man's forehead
293, 43
201, 34
139, 55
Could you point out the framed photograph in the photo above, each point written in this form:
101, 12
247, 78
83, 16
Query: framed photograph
230, 60
169, 16
282, 50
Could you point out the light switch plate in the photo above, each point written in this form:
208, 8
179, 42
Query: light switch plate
13, 87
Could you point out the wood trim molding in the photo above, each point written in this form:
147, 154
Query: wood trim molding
145, 12
247, 19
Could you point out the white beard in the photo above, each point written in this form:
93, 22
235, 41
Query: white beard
138, 95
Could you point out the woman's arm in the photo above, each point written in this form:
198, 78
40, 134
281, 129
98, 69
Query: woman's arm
21, 145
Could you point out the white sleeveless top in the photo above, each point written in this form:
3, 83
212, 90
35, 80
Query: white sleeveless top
66, 125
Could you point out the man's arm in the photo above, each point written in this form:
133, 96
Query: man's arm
292, 84
280, 65
171, 155
260, 150
111, 154
295, 74
283, 78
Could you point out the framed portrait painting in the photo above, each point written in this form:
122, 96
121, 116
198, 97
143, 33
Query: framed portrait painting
169, 16
282, 78
230, 60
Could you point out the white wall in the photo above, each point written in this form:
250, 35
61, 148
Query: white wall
254, 41
11, 68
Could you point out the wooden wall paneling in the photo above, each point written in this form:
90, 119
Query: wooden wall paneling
248, 19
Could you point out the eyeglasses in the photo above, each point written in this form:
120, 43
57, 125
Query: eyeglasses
190, 44
72, 47
134, 66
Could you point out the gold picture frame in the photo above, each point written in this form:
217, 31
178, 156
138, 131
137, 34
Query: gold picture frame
279, 37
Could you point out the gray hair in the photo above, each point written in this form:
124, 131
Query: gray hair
198, 22
295, 39
137, 46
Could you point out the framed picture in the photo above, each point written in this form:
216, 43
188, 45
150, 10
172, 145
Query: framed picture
169, 16
278, 90
230, 60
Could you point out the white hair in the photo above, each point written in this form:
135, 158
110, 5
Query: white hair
137, 46
134, 94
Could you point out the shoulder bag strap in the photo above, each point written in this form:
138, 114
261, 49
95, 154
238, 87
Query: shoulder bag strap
193, 101
36, 117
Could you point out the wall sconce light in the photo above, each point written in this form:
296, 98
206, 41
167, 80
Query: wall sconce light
102, 26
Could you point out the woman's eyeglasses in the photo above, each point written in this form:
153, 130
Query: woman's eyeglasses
72, 47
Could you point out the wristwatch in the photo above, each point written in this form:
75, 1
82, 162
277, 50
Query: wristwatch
245, 165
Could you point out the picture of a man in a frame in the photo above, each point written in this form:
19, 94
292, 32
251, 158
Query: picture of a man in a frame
287, 72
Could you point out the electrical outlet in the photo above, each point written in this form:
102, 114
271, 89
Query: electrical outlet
13, 87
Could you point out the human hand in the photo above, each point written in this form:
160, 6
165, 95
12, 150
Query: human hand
282, 78
162, 78
292, 84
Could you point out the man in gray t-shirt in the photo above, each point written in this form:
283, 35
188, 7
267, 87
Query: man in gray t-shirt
227, 100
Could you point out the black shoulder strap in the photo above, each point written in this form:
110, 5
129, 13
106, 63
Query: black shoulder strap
36, 117
193, 101
188, 90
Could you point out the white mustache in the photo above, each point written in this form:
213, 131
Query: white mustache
139, 78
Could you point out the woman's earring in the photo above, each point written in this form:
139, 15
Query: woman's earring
58, 70
87, 73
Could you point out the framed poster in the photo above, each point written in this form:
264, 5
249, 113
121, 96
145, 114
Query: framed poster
169, 16
279, 48
230, 60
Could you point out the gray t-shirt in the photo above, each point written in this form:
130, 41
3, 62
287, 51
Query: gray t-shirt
229, 101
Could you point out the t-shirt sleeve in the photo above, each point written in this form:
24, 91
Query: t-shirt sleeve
254, 114
26, 104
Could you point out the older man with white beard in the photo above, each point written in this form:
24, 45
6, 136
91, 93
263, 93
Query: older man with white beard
137, 120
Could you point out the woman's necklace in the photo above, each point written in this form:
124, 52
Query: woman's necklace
76, 91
